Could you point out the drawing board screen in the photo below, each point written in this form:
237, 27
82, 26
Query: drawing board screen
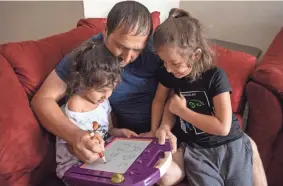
120, 155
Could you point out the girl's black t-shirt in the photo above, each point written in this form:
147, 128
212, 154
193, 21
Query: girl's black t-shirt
199, 96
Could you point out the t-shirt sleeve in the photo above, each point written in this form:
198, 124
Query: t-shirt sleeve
165, 78
62, 68
219, 83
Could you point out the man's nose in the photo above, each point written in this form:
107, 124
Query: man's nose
127, 56
168, 68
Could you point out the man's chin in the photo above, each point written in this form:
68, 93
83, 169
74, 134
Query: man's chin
122, 65
179, 76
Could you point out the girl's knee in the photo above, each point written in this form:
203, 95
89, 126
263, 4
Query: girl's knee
164, 180
169, 179
173, 176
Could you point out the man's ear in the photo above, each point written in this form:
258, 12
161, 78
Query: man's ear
197, 54
105, 32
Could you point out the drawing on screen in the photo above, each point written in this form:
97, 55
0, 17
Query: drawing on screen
120, 155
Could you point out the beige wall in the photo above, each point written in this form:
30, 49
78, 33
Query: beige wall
37, 19
250, 23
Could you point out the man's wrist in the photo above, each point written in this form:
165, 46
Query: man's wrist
74, 135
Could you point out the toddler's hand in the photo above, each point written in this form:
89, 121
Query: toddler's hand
123, 132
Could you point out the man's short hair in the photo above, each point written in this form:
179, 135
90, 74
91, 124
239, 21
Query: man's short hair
130, 16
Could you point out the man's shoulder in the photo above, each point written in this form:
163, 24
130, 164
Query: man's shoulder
62, 67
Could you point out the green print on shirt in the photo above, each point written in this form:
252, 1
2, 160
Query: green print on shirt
195, 103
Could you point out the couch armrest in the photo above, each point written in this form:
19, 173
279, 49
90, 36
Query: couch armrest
22, 143
270, 71
3, 181
265, 119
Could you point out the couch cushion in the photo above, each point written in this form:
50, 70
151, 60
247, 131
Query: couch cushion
238, 66
21, 140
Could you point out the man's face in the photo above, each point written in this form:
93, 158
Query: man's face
125, 46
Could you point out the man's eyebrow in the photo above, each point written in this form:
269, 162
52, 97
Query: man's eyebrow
124, 46
175, 63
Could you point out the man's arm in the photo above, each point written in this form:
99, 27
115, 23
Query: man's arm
45, 106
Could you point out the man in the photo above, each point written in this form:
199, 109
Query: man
129, 25
128, 28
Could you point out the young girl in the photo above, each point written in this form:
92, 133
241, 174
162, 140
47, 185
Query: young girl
92, 75
213, 148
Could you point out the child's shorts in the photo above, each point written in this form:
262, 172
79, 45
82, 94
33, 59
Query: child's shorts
230, 164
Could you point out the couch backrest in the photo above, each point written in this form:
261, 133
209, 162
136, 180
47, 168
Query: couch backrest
238, 67
32, 61
22, 146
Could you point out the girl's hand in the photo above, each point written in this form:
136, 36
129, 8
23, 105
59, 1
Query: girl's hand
162, 134
122, 132
177, 103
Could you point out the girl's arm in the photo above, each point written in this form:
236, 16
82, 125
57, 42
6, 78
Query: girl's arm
219, 124
168, 118
164, 131
158, 104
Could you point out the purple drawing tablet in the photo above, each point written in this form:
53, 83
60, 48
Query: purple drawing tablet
134, 158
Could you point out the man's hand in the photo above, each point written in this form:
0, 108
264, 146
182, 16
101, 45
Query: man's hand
123, 132
85, 147
177, 103
162, 134
149, 134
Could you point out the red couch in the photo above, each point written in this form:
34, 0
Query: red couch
27, 155
265, 97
